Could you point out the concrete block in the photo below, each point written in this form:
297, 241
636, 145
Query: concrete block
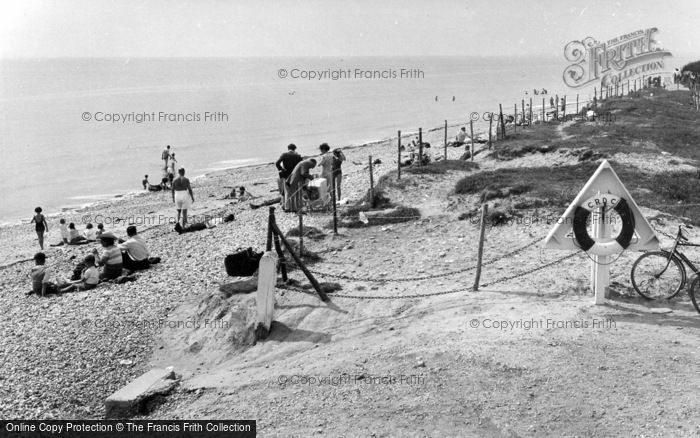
131, 399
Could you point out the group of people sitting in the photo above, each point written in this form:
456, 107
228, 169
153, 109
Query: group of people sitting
164, 184
71, 236
117, 255
295, 175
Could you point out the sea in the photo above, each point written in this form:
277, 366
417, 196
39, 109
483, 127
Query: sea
74, 131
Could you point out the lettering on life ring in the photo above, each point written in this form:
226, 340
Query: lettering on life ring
592, 246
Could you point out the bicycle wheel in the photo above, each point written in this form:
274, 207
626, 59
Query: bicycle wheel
695, 291
655, 277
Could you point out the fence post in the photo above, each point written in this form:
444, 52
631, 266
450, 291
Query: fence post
482, 231
531, 111
265, 296
333, 200
398, 163
300, 263
490, 128
301, 235
595, 97
270, 218
280, 257
503, 122
371, 183
522, 108
577, 102
515, 118
544, 113
471, 134
556, 107
420, 147
445, 140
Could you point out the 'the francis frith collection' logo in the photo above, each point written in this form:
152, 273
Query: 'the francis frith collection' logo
610, 62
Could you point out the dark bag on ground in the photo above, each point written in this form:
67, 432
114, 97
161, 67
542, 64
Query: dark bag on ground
243, 263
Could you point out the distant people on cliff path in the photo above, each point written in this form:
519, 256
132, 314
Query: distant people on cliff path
41, 227
182, 195
285, 165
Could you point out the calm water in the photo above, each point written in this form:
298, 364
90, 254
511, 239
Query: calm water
50, 156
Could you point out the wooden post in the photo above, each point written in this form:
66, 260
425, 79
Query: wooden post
333, 200
595, 97
420, 146
503, 122
556, 107
522, 108
265, 296
490, 127
301, 234
471, 134
270, 219
515, 118
300, 263
371, 183
544, 112
280, 256
445, 140
398, 164
479, 254
531, 111
577, 102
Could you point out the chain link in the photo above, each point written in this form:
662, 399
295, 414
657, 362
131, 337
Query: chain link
530, 271
427, 277
447, 292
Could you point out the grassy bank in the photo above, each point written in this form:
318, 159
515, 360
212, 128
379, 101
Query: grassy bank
653, 122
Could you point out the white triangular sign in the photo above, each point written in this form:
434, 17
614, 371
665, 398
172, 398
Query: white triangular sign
604, 180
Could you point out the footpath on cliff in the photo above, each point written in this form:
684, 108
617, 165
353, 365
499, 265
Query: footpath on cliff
406, 348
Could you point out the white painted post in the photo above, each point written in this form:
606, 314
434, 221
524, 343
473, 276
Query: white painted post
265, 298
600, 269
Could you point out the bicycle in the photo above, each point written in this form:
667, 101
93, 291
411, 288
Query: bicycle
661, 274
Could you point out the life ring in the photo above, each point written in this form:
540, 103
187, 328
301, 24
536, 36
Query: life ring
590, 245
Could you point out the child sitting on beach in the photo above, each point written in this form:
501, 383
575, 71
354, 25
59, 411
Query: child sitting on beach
88, 278
90, 234
41, 277
111, 259
74, 237
64, 233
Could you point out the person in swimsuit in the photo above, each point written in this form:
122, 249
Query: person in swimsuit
41, 226
182, 195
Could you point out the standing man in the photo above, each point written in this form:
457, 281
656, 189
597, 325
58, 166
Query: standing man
165, 156
285, 164
182, 195
326, 163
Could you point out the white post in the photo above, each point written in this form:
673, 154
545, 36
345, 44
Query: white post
600, 269
265, 298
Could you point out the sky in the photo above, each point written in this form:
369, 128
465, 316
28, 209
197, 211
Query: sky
219, 28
